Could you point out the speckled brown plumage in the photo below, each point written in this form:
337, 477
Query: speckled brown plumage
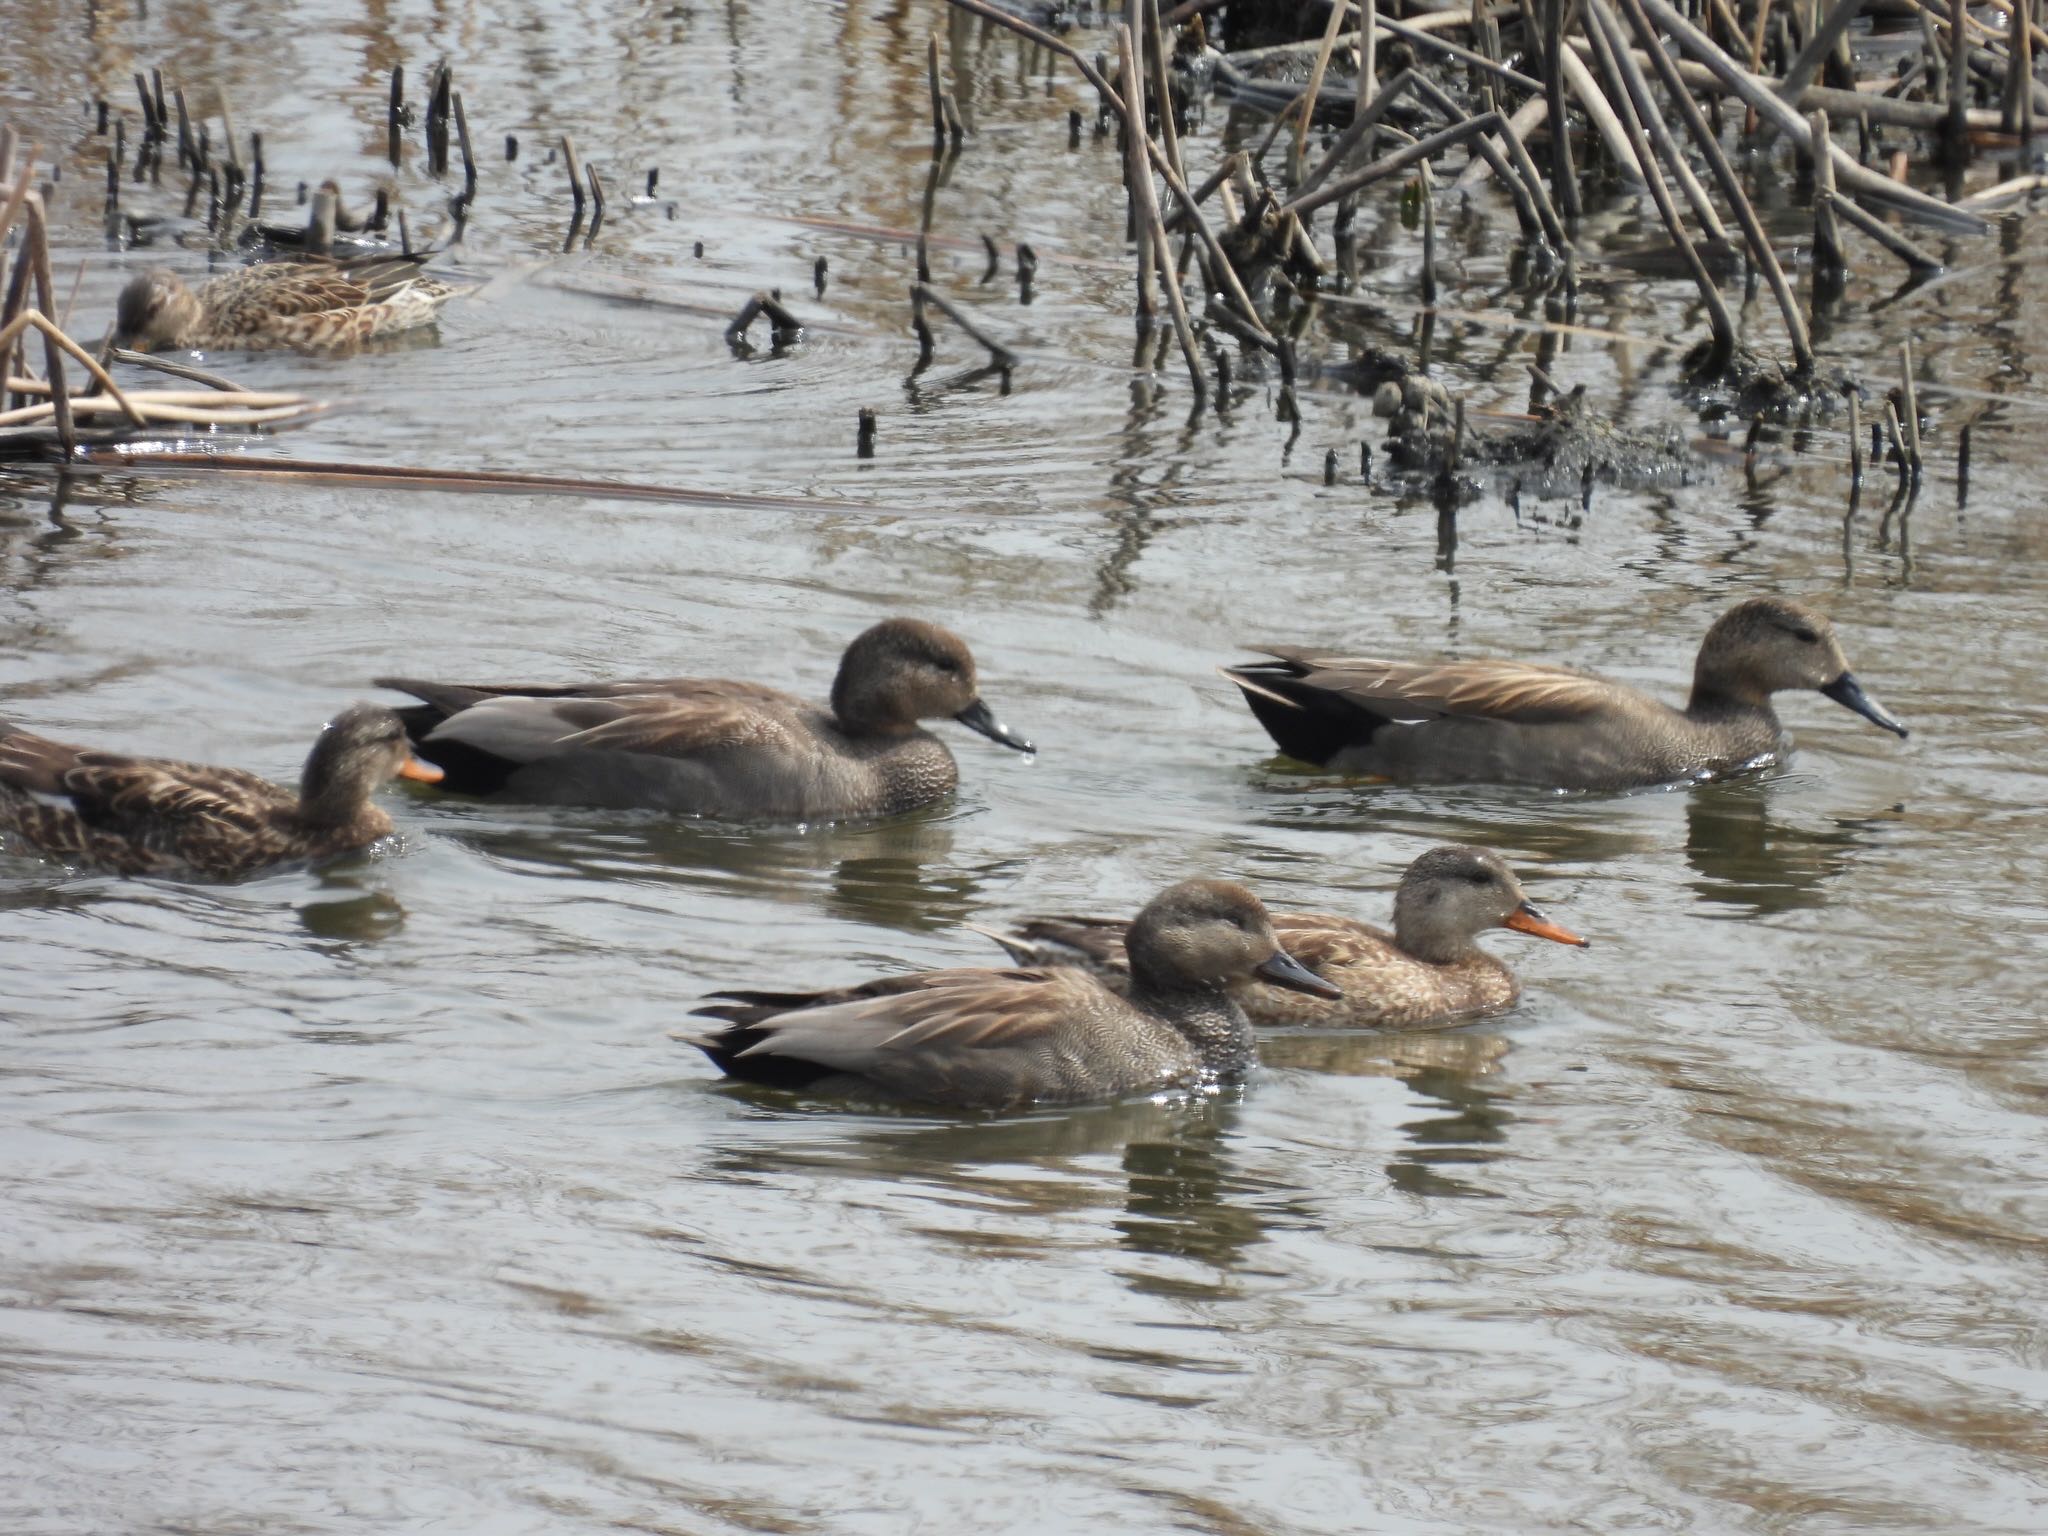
1001, 1039
1426, 974
1517, 722
155, 816
308, 304
710, 747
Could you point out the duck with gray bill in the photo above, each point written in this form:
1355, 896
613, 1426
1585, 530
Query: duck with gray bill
1523, 722
1427, 973
156, 816
1004, 1039
734, 751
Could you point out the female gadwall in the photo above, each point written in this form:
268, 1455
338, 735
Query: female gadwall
308, 304
735, 751
1516, 722
985, 1039
1427, 972
150, 816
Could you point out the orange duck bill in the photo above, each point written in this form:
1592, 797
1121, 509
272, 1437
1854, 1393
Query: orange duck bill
425, 773
1526, 919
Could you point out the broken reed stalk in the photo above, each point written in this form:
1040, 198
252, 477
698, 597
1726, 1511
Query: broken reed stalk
1162, 89
1718, 319
392, 137
1551, 32
1652, 120
35, 249
1000, 355
1828, 256
926, 346
1394, 164
1315, 81
1914, 256
1757, 94
468, 159
1363, 122
1909, 405
164, 407
1368, 65
1428, 235
785, 326
575, 174
1709, 144
1221, 273
1137, 171
1799, 74
931, 70
1154, 227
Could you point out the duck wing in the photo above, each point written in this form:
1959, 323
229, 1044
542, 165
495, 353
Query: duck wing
1094, 943
1525, 692
973, 1037
136, 812
311, 286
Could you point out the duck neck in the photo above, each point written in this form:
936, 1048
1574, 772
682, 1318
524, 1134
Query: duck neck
331, 800
1717, 696
1432, 943
1208, 1017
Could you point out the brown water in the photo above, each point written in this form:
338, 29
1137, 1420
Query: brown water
378, 1200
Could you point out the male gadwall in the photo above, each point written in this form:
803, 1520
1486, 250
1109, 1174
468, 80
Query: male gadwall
704, 747
151, 816
307, 304
988, 1039
1517, 722
1427, 972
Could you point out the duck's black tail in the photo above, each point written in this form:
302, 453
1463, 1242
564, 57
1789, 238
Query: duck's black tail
1305, 721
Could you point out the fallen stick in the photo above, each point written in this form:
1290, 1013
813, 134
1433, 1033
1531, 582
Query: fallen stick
1002, 356
469, 480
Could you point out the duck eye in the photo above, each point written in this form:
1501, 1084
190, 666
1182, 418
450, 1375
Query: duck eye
1479, 877
1806, 636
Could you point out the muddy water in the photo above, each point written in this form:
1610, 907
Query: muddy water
377, 1200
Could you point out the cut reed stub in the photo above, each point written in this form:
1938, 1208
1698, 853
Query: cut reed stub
864, 433
784, 326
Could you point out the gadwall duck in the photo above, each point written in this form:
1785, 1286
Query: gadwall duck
151, 816
734, 751
1427, 972
1517, 722
994, 1039
307, 304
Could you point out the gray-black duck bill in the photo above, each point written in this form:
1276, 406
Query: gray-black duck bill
1848, 693
1527, 919
979, 717
1283, 970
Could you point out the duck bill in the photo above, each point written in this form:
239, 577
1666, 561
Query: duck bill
1848, 693
1526, 919
979, 717
1283, 970
424, 773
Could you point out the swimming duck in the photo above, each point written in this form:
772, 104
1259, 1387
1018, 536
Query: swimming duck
1426, 973
152, 816
707, 747
307, 304
1002, 1039
1518, 722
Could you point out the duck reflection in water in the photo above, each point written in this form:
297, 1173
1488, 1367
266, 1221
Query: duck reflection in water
1761, 864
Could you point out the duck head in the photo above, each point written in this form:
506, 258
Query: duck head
154, 310
359, 751
1451, 895
1767, 645
901, 671
1211, 935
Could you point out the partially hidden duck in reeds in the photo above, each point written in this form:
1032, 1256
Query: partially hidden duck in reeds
304, 304
1005, 1039
154, 816
1522, 722
734, 751
1429, 972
